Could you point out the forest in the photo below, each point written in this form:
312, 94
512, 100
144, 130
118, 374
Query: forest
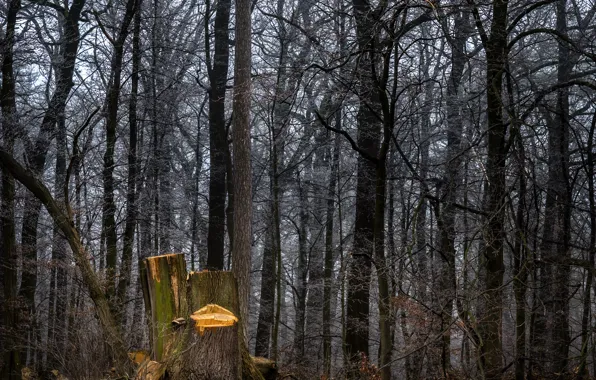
394, 189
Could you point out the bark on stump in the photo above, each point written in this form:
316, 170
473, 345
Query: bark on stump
171, 296
165, 293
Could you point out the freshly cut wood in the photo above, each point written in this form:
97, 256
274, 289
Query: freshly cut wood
150, 370
213, 316
138, 357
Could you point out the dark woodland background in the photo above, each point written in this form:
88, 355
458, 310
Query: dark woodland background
422, 178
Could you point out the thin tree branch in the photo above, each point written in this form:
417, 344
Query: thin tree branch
353, 143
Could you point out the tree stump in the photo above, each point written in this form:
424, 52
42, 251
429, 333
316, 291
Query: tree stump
214, 353
165, 293
171, 296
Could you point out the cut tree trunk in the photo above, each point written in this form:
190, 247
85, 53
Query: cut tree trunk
182, 350
164, 291
215, 354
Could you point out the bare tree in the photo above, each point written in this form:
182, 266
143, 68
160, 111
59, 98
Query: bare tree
10, 350
218, 145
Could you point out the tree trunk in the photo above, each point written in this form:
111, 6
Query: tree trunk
64, 220
218, 75
450, 189
551, 346
385, 314
11, 360
561, 189
37, 154
490, 311
329, 263
171, 296
589, 168
230, 206
520, 269
58, 283
131, 193
369, 126
242, 159
267, 303
218, 349
111, 104
520, 248
316, 258
276, 238
301, 276
164, 290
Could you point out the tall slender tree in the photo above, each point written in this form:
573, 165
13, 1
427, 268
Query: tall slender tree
490, 313
242, 159
11, 355
111, 115
218, 145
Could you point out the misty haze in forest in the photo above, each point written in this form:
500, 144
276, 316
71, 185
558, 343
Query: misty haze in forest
401, 189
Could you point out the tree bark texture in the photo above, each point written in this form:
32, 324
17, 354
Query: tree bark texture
241, 257
133, 170
267, 300
216, 354
490, 318
64, 220
218, 145
59, 280
171, 296
552, 326
328, 267
369, 127
111, 115
164, 289
451, 188
38, 151
11, 357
